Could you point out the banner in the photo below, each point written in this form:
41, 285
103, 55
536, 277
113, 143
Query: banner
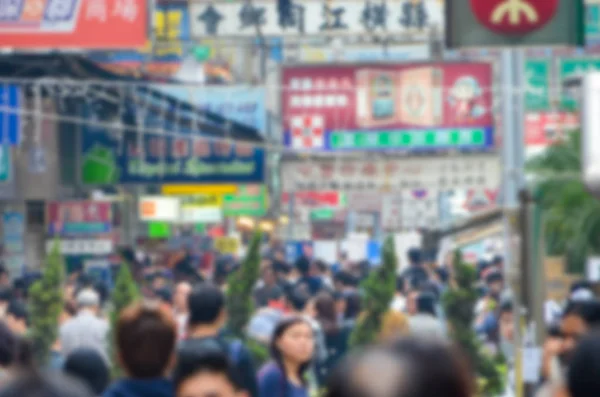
310, 198
180, 157
406, 107
157, 208
435, 173
249, 200
243, 104
76, 24
13, 242
545, 129
76, 218
239, 18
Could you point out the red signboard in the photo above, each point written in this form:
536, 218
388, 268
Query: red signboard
544, 129
514, 16
81, 24
314, 199
78, 217
371, 98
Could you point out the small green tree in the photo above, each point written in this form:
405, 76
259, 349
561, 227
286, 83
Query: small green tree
459, 307
46, 304
240, 286
124, 294
378, 291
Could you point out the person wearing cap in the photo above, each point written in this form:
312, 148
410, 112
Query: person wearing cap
86, 329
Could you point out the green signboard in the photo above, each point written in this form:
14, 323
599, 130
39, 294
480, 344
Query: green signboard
322, 214
537, 80
249, 200
5, 163
525, 23
159, 230
401, 139
592, 22
573, 68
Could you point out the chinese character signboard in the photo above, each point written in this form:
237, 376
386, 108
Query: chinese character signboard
316, 17
249, 200
537, 80
545, 129
81, 24
415, 107
483, 23
76, 218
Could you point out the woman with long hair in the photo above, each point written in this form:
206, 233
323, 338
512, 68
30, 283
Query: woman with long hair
292, 347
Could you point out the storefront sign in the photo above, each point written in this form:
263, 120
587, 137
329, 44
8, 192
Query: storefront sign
200, 214
82, 246
10, 114
485, 23
537, 75
181, 157
309, 198
13, 228
227, 245
77, 24
202, 200
326, 53
379, 107
574, 68
76, 218
434, 173
239, 18
157, 208
365, 201
249, 200
545, 129
190, 190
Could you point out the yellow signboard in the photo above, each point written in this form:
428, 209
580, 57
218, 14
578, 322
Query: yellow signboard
190, 190
202, 200
227, 245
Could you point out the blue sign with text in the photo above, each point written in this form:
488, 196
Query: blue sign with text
10, 118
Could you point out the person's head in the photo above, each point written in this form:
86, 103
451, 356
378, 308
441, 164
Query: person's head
158, 281
578, 319
88, 366
325, 312
17, 317
408, 368
426, 304
180, 300
506, 321
414, 256
146, 337
303, 266
344, 280
205, 374
320, 267
495, 283
6, 295
353, 306
44, 384
268, 275
293, 344
340, 304
276, 298
298, 300
393, 326
4, 276
206, 305
88, 299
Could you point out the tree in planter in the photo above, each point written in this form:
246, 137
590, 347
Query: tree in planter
124, 294
378, 289
459, 307
240, 286
46, 304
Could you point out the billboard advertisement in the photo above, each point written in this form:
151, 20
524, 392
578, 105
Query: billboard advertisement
410, 107
73, 218
77, 24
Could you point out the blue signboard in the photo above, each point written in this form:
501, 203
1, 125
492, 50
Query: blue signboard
374, 252
295, 249
181, 156
10, 119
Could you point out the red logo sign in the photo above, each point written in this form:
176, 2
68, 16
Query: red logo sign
513, 17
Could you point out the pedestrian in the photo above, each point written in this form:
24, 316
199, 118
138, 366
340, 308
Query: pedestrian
89, 367
17, 317
394, 325
582, 378
268, 281
86, 329
39, 384
263, 322
292, 349
180, 306
207, 317
425, 324
145, 338
205, 374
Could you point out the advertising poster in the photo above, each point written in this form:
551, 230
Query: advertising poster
416, 107
181, 157
76, 218
77, 24
545, 129
249, 200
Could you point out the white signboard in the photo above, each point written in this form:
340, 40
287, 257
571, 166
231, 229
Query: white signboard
242, 18
387, 175
326, 53
391, 212
158, 208
364, 201
198, 214
82, 246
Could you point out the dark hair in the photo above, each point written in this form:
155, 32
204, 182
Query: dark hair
414, 256
146, 337
353, 306
582, 376
399, 284
88, 366
18, 310
164, 295
298, 299
426, 303
205, 302
33, 383
280, 329
191, 362
588, 311
6, 294
321, 265
303, 265
346, 279
412, 368
326, 313
8, 346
